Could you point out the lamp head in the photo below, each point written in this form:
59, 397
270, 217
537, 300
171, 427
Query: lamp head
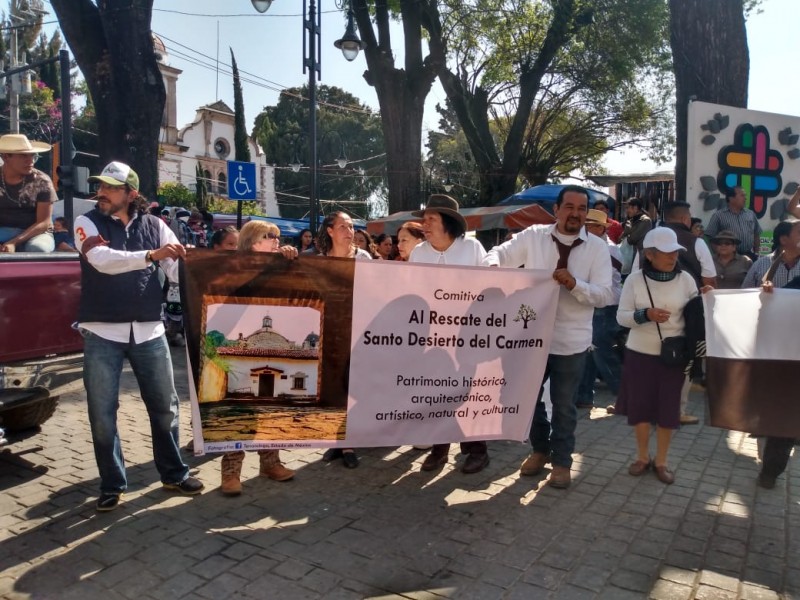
261, 6
350, 44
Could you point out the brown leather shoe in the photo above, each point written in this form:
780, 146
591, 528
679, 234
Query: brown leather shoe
560, 478
434, 461
475, 463
277, 473
664, 474
640, 467
534, 464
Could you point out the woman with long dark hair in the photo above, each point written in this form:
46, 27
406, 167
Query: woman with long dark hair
336, 239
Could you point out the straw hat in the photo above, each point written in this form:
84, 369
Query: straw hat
596, 217
444, 205
17, 143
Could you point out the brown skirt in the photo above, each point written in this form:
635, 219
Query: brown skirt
650, 391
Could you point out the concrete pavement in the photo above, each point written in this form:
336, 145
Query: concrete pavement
386, 530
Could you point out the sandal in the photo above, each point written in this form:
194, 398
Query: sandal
640, 467
664, 474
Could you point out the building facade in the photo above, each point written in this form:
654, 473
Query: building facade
208, 142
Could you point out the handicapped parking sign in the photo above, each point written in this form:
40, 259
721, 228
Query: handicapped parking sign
241, 180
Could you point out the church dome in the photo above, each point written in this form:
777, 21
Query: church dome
160, 49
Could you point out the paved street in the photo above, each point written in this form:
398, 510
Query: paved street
385, 530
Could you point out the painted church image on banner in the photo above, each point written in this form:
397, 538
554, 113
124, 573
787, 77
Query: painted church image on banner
266, 366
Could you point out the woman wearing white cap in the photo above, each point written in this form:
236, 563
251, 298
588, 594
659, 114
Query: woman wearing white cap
26, 197
652, 306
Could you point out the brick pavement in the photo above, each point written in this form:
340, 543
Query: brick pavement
385, 530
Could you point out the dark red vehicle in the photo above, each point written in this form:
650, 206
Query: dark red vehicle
41, 355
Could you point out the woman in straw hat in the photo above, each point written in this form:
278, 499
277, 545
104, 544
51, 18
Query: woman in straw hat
26, 197
444, 228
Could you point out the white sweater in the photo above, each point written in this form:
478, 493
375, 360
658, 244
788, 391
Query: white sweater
670, 295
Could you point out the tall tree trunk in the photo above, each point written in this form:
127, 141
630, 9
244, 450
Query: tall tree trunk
401, 93
113, 46
711, 63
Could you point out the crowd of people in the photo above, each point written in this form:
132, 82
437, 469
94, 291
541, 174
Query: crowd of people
626, 289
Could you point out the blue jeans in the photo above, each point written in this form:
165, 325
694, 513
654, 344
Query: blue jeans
603, 360
44, 242
557, 436
152, 366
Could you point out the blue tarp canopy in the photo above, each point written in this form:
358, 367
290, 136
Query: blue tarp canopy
546, 195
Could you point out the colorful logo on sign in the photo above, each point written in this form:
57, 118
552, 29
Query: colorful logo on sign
749, 163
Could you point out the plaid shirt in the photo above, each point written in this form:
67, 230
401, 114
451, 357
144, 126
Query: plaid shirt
744, 224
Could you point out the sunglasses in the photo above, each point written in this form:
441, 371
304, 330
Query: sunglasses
725, 243
271, 236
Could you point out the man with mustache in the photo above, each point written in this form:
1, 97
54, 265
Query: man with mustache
121, 248
581, 265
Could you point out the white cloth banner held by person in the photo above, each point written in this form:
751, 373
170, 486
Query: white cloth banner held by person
338, 353
752, 353
446, 354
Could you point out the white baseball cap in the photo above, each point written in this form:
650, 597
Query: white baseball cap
662, 239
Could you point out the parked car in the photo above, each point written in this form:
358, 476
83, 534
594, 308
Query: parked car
41, 354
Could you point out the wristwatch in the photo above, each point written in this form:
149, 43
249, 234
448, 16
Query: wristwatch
149, 257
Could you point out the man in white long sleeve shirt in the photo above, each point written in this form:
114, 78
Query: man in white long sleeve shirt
581, 265
121, 248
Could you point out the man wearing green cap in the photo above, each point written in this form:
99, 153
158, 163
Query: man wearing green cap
121, 248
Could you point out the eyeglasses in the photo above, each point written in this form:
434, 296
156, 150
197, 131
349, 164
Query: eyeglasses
35, 157
271, 236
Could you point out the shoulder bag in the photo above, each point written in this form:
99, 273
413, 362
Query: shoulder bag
674, 350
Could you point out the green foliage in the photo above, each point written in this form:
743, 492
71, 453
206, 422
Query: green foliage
201, 191
228, 207
213, 340
355, 130
175, 194
240, 139
586, 76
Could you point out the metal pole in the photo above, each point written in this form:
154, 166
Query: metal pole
13, 103
66, 134
311, 60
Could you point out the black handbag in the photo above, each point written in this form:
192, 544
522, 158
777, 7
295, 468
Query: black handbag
674, 350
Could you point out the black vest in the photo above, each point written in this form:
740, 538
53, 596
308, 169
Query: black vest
130, 296
687, 259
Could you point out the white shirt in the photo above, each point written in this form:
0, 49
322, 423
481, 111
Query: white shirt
464, 251
671, 295
590, 265
616, 275
113, 262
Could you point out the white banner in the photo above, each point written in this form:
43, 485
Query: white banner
328, 353
445, 354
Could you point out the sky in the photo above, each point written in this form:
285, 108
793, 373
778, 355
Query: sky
269, 51
292, 322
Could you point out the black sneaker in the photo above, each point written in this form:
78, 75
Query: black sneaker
191, 486
766, 481
107, 502
350, 459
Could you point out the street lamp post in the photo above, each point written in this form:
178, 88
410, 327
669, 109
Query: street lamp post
341, 160
350, 45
